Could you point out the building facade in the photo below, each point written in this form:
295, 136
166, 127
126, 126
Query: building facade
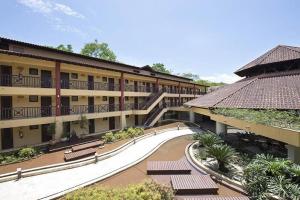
42, 87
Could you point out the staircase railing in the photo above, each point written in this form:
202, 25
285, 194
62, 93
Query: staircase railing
151, 100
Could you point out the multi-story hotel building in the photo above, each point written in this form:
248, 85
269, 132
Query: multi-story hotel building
40, 86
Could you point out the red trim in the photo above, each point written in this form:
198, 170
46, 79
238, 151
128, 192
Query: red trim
57, 86
122, 91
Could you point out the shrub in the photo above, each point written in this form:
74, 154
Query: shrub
132, 132
209, 139
109, 137
27, 152
196, 136
121, 135
223, 154
143, 191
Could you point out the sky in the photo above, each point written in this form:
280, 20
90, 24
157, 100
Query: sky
206, 37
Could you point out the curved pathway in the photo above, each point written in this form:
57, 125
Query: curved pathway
50, 185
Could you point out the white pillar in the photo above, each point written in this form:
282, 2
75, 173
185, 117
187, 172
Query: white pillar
192, 116
293, 153
58, 129
221, 128
123, 120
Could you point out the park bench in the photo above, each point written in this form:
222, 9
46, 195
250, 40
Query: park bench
87, 145
167, 167
79, 154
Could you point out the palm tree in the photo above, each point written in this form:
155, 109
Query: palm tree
223, 154
209, 139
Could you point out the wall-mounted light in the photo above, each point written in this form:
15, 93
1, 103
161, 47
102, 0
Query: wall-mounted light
21, 133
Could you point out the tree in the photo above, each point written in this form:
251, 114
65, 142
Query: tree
222, 153
197, 79
98, 50
67, 48
159, 67
208, 139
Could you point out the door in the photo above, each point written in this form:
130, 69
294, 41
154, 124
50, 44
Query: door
153, 87
7, 140
148, 87
111, 84
46, 105
6, 75
67, 128
65, 80
136, 120
91, 104
45, 135
171, 101
136, 88
111, 104
91, 82
65, 105
6, 107
136, 103
46, 79
91, 125
111, 123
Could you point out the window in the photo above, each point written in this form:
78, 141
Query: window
105, 119
126, 98
104, 79
104, 98
33, 98
74, 76
32, 127
127, 116
144, 83
74, 98
33, 71
126, 81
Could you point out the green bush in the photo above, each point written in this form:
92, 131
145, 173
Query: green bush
132, 132
143, 191
267, 174
223, 154
109, 137
209, 139
196, 136
27, 152
121, 135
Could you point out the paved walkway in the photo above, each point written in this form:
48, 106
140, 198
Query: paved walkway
47, 185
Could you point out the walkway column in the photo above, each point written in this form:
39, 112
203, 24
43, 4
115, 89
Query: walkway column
221, 128
293, 153
123, 123
192, 116
58, 120
58, 87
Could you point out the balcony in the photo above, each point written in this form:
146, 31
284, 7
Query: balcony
26, 81
84, 109
86, 85
26, 112
140, 88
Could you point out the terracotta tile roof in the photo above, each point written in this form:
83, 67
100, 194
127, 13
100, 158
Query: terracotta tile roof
278, 54
280, 90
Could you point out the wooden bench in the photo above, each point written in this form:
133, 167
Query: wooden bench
167, 167
193, 184
87, 145
79, 154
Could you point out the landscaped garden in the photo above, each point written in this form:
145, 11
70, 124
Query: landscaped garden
283, 119
143, 191
262, 175
23, 154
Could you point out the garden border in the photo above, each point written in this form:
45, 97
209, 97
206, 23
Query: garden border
78, 163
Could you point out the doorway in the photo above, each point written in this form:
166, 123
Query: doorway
46, 79
136, 103
111, 123
91, 125
6, 75
6, 107
111, 104
45, 135
65, 105
7, 139
91, 104
46, 105
136, 88
65, 80
136, 120
148, 87
91, 82
111, 84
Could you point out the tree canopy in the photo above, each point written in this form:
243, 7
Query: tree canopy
98, 50
159, 67
67, 47
197, 79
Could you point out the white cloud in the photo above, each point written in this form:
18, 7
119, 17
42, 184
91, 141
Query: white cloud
48, 7
225, 78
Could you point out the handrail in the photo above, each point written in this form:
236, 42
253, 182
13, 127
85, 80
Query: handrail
26, 81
